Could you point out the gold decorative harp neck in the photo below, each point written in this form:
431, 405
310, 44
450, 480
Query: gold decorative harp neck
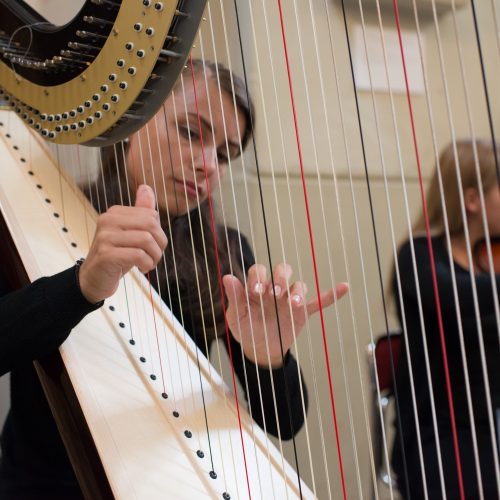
100, 77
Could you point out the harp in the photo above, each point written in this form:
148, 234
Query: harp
354, 100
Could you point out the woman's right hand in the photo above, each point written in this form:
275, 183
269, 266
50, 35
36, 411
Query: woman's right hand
125, 237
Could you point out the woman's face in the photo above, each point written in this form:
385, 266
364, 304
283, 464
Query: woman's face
183, 157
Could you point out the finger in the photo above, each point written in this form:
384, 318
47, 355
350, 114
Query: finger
281, 277
133, 218
257, 280
297, 293
235, 291
111, 240
145, 197
327, 298
127, 258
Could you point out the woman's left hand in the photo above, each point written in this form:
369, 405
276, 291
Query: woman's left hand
252, 312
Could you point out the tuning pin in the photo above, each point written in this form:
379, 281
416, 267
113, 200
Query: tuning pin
88, 34
96, 20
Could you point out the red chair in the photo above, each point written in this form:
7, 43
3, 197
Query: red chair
385, 347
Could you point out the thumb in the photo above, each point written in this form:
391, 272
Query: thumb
145, 197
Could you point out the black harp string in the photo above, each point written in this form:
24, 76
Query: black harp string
285, 159
375, 234
241, 155
445, 216
217, 261
236, 111
464, 218
389, 210
486, 90
245, 282
494, 144
471, 266
190, 304
227, 242
246, 292
268, 248
349, 401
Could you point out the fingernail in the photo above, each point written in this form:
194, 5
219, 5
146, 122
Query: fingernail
276, 291
258, 288
296, 299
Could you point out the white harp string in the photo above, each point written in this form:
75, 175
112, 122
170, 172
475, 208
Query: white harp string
293, 225
247, 196
225, 223
234, 211
201, 228
468, 246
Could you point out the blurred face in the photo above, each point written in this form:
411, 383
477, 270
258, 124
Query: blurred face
491, 211
184, 150
492, 206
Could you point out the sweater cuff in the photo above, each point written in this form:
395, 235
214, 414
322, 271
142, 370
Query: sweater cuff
66, 303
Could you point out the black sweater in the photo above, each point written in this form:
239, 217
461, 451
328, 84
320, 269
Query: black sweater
408, 437
34, 321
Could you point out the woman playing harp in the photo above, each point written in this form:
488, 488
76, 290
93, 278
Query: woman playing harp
185, 162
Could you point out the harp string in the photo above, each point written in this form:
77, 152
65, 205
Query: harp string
145, 180
391, 226
493, 138
194, 258
130, 201
357, 226
424, 207
169, 292
230, 173
495, 20
175, 114
170, 235
235, 206
356, 461
372, 219
432, 263
485, 85
330, 142
312, 249
469, 249
278, 217
225, 226
151, 162
269, 258
219, 275
245, 183
156, 273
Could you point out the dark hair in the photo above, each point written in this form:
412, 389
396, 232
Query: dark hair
205, 305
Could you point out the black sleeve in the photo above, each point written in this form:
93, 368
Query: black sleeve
38, 318
285, 385
444, 279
